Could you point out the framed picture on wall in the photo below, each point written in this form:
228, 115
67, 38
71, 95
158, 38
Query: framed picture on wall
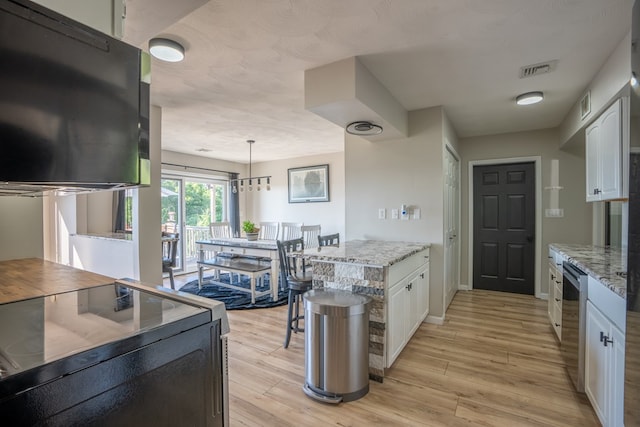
309, 184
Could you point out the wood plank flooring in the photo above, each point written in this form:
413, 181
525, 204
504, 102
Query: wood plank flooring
494, 362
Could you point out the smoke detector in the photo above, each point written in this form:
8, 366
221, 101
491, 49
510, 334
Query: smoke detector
363, 128
537, 69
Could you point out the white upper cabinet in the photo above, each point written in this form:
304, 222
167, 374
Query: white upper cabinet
605, 155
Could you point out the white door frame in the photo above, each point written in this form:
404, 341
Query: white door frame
537, 160
448, 147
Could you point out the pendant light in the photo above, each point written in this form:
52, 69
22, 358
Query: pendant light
251, 181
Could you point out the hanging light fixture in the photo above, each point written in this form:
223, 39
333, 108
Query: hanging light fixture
239, 184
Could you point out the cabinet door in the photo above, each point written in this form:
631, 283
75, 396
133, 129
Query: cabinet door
592, 135
552, 287
595, 381
423, 293
610, 153
414, 296
397, 321
616, 382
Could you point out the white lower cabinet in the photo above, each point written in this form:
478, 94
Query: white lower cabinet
407, 302
554, 307
604, 366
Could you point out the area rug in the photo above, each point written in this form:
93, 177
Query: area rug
234, 299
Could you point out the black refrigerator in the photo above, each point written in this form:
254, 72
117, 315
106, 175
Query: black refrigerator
632, 336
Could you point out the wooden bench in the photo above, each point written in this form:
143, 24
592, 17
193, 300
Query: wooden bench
254, 268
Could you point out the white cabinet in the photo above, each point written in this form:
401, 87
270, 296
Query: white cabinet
554, 307
103, 15
605, 159
407, 302
604, 354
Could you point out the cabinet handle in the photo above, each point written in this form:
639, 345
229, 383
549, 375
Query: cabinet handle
558, 299
422, 275
557, 324
596, 191
553, 277
605, 339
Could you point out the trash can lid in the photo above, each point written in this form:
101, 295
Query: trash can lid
335, 302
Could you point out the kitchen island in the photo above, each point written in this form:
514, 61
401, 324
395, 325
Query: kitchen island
394, 274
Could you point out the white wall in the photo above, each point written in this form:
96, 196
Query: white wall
21, 227
612, 77
146, 212
109, 257
274, 205
389, 173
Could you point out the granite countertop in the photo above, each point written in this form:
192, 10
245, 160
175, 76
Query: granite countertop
608, 265
377, 253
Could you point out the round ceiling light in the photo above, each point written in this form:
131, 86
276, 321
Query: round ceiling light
166, 50
363, 128
529, 98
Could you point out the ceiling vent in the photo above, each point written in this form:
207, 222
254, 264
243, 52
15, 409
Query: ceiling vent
537, 69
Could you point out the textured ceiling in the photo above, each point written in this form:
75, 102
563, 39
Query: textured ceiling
243, 76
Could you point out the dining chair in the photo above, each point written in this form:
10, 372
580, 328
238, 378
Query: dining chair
329, 240
298, 282
169, 253
310, 235
220, 230
269, 231
291, 230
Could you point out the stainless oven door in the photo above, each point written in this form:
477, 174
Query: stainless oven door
574, 299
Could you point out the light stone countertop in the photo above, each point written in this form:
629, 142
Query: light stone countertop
378, 253
608, 265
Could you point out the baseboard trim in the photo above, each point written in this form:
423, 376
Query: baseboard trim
436, 320
462, 287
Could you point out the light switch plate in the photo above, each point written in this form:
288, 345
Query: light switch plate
382, 213
394, 213
416, 213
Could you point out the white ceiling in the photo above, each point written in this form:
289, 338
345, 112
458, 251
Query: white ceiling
243, 76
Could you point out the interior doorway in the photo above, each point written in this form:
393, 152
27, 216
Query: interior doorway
504, 227
451, 225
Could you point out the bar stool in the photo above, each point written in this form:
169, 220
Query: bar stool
298, 282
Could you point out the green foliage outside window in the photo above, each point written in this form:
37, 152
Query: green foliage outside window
197, 202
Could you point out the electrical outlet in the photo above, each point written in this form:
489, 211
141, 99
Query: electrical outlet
382, 213
394, 213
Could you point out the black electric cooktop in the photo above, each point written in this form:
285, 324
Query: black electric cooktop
71, 330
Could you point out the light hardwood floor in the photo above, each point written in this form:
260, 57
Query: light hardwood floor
494, 362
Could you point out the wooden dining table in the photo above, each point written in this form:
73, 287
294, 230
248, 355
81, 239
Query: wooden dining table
241, 247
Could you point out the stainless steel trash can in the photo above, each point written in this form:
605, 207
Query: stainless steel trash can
336, 345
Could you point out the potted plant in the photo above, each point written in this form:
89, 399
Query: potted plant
250, 230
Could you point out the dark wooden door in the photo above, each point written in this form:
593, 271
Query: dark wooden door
504, 227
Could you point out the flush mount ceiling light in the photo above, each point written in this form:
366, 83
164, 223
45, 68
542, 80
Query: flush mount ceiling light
166, 50
529, 98
363, 128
